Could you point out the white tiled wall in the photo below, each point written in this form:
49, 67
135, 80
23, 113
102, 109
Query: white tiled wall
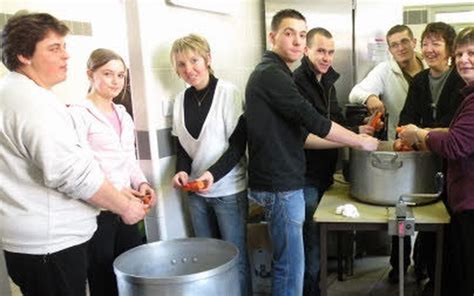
107, 20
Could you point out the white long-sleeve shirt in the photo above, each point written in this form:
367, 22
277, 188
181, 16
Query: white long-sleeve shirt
227, 106
45, 175
115, 153
386, 81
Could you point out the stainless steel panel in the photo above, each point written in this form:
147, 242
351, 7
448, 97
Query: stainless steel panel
373, 18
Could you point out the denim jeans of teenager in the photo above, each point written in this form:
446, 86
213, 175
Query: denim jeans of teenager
226, 218
284, 212
311, 242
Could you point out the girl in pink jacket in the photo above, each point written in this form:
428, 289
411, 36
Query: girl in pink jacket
108, 130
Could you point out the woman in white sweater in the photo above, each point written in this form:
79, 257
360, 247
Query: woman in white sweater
204, 116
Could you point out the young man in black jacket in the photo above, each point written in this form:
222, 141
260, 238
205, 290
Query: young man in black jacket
274, 116
315, 80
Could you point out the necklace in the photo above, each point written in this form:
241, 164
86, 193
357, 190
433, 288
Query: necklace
199, 101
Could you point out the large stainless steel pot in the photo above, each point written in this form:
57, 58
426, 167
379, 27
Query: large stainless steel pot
191, 266
382, 176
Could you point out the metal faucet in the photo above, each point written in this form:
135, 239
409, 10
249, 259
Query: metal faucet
403, 223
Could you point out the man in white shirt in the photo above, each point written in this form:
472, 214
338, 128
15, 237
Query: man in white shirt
386, 86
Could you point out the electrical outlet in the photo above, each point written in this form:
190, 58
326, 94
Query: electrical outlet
167, 107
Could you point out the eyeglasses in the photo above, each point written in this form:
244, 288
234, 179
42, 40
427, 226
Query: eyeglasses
404, 42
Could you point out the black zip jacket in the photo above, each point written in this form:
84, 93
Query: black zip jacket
275, 114
320, 164
418, 107
419, 110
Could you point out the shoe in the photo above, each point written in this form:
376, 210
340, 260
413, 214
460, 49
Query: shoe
428, 289
420, 274
393, 277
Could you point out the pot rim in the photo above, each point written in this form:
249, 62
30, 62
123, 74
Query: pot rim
136, 278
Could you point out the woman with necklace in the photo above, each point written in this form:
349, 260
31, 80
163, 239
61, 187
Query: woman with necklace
204, 116
433, 98
108, 130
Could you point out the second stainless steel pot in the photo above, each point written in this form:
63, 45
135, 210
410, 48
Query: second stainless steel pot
184, 267
381, 177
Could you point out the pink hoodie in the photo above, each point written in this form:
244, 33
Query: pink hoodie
115, 154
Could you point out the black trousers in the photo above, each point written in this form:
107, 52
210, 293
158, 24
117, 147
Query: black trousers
460, 262
424, 254
406, 252
112, 238
58, 274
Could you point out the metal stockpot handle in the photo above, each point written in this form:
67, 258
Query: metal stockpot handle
409, 197
386, 160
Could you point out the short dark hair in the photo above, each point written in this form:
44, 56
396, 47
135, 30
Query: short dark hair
465, 37
317, 31
283, 14
23, 31
443, 30
399, 29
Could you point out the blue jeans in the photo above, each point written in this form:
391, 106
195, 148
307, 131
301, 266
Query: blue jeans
224, 217
311, 242
284, 212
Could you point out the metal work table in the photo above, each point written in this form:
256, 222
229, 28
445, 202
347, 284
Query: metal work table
430, 217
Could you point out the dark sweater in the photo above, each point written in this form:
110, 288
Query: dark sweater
234, 153
320, 164
418, 105
197, 104
275, 114
457, 146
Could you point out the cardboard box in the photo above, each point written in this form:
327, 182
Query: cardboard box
260, 257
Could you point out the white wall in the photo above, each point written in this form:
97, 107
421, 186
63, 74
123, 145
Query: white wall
430, 2
107, 19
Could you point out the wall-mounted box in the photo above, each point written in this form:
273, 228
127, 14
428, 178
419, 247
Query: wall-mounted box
218, 6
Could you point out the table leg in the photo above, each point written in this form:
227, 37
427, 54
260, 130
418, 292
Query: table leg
340, 255
323, 266
439, 259
350, 253
401, 267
